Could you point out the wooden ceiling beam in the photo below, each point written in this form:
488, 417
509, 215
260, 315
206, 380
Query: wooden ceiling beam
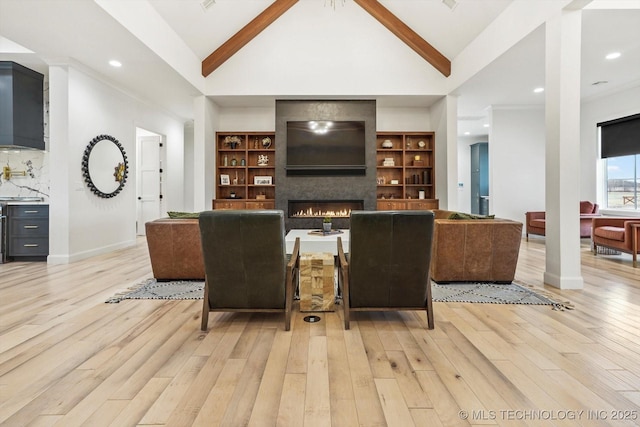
245, 35
407, 35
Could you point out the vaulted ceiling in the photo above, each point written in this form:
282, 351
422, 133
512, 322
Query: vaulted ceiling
373, 7
85, 33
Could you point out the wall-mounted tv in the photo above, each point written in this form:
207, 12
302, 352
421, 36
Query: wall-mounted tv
323, 147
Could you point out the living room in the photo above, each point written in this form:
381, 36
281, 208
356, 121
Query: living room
411, 97
70, 359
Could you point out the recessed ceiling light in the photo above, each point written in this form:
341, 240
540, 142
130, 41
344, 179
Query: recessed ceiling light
538, 90
613, 55
467, 133
115, 63
486, 125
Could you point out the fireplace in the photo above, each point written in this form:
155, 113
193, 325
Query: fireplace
322, 208
326, 193
309, 213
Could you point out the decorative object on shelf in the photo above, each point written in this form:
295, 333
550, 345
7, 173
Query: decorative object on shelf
255, 143
234, 162
395, 182
266, 142
232, 195
387, 143
233, 141
100, 156
417, 161
388, 161
381, 180
224, 179
326, 224
225, 161
263, 160
421, 193
262, 180
261, 196
422, 144
235, 180
242, 162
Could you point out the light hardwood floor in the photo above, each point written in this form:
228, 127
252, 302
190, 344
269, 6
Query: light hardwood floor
69, 359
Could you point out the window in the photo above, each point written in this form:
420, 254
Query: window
621, 178
620, 152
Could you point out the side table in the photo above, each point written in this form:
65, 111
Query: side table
317, 287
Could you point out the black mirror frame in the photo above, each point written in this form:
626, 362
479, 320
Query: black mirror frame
85, 167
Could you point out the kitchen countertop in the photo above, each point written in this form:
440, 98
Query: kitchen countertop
23, 200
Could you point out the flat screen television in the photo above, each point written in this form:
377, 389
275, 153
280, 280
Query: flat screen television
322, 147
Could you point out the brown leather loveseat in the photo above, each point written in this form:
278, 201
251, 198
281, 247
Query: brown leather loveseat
470, 250
175, 249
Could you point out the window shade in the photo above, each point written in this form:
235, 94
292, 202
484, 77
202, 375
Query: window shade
620, 137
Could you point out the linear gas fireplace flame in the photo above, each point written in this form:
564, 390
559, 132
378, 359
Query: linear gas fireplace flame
322, 208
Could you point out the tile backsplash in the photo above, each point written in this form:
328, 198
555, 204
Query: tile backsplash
34, 164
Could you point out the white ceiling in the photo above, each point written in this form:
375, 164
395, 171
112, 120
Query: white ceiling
82, 32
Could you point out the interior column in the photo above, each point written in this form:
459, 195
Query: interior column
562, 150
203, 153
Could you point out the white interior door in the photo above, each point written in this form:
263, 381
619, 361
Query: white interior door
149, 179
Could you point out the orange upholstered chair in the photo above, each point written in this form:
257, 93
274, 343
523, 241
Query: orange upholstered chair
616, 233
535, 220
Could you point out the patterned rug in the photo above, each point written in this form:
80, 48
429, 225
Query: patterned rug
487, 293
494, 293
152, 289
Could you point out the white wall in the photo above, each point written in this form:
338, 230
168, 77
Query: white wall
247, 119
83, 107
516, 162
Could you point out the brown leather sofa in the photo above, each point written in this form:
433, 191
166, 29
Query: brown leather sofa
535, 221
470, 250
616, 233
175, 249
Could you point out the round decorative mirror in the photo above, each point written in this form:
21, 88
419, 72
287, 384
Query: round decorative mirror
105, 166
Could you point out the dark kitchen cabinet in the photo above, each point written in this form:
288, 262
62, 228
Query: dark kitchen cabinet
28, 232
21, 107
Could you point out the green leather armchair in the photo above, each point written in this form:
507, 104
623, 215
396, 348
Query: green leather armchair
388, 262
246, 267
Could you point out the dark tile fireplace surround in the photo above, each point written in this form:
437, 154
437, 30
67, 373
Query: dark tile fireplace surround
307, 199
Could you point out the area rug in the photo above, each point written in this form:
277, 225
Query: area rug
487, 293
152, 289
494, 293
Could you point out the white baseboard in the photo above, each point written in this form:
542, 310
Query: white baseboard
69, 258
